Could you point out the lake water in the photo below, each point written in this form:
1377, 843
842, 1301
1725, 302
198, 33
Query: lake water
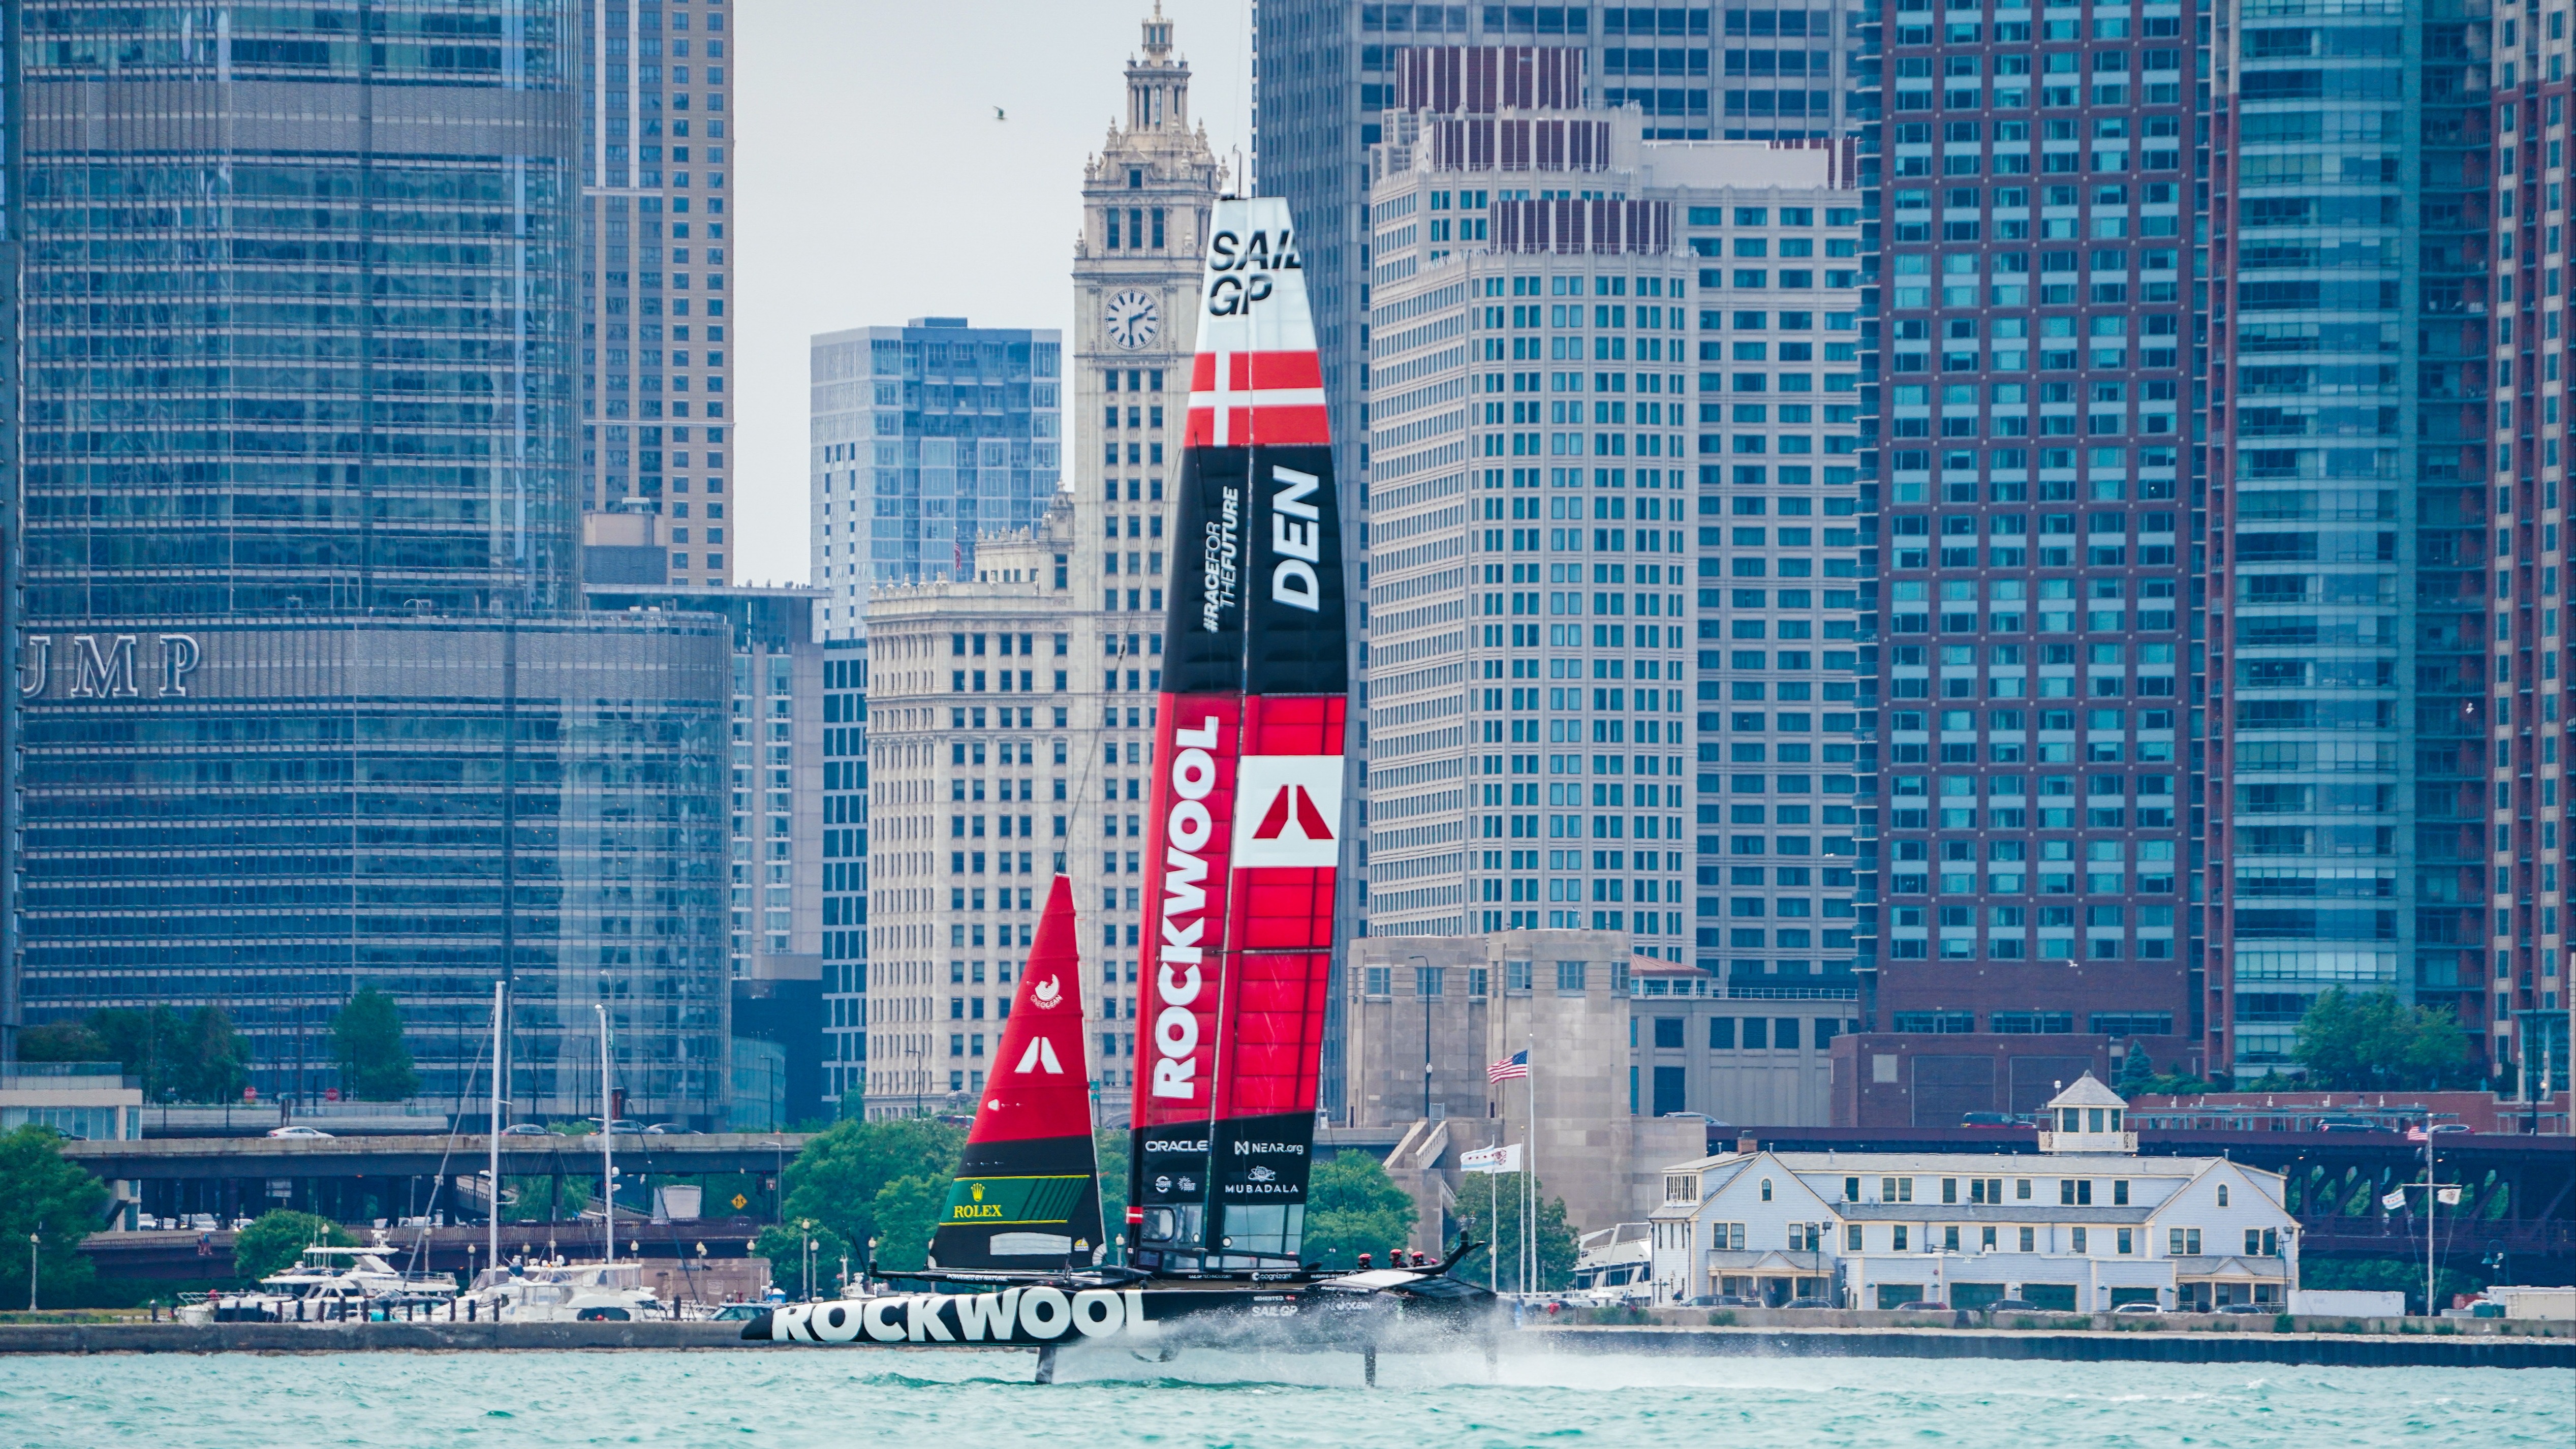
788, 1399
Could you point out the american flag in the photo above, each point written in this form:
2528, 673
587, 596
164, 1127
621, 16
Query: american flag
2418, 1134
1509, 1068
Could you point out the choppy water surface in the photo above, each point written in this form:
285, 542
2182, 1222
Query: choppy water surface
790, 1399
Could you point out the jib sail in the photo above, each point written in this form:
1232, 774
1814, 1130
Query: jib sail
1027, 1192
1247, 797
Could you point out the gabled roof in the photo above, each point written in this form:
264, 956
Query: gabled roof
2087, 1091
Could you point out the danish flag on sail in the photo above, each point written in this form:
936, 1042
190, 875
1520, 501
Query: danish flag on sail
1246, 826
1027, 1192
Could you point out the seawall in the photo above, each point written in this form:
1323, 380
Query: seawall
2321, 1349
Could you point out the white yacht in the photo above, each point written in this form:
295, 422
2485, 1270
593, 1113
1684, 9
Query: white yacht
328, 1285
562, 1293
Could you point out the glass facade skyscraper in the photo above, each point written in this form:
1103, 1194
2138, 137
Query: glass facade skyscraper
923, 436
308, 703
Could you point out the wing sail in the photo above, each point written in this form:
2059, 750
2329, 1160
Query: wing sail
1247, 811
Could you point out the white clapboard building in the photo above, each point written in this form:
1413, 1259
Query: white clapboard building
2086, 1224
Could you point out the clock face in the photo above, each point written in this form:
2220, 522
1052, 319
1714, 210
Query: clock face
1132, 319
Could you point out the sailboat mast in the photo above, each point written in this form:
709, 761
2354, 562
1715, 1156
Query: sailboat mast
607, 1144
492, 1203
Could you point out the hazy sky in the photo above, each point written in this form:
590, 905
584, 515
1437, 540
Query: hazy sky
873, 185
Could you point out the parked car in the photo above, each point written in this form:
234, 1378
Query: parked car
2348, 1124
2249, 1309
2014, 1305
2136, 1310
525, 1129
1988, 1119
671, 1129
1723, 1300
1808, 1303
297, 1132
1922, 1305
2448, 1129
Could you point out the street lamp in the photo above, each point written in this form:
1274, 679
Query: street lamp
805, 1229
32, 1240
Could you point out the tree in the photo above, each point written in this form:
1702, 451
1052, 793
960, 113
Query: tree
43, 1193
1502, 1237
535, 1202
2137, 1074
905, 1212
836, 1179
192, 1058
2376, 1042
279, 1237
783, 1244
1353, 1207
62, 1041
366, 1036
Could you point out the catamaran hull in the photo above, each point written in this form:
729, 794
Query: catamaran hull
1293, 1317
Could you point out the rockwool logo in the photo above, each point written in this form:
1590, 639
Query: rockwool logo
1287, 811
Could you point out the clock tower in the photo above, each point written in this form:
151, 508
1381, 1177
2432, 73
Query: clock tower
1146, 199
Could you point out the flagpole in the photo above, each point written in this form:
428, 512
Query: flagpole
1529, 1174
2430, 1194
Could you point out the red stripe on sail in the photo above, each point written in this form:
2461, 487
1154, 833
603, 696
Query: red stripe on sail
1276, 426
1250, 371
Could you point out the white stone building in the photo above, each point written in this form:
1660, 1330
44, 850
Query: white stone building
2084, 1225
1029, 680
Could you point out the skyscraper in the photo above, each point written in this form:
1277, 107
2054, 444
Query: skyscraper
2385, 580
308, 703
2528, 1022
2035, 202
654, 156
1537, 359
924, 436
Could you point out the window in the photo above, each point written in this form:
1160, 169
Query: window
1851, 1189
1899, 1242
1851, 1238
1949, 1189
2222, 1194
2021, 1189
2183, 1242
1569, 976
1681, 1187
2075, 1192
1896, 1189
2120, 1192
1766, 1189
2078, 1243
2262, 1243
2030, 1240
2128, 1239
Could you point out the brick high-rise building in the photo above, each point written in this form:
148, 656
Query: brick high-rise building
2034, 181
655, 258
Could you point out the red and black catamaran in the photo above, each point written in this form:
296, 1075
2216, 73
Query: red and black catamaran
1245, 840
